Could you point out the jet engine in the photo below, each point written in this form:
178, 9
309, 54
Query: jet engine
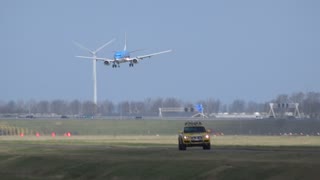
135, 61
107, 63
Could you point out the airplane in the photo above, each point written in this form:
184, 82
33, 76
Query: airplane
123, 56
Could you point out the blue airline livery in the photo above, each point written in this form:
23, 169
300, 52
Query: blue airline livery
123, 56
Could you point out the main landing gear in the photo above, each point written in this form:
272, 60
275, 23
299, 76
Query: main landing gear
115, 65
131, 65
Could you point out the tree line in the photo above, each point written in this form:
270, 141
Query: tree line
309, 104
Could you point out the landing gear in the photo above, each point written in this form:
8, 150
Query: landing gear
115, 65
131, 65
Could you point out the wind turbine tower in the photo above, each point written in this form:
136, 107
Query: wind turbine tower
94, 61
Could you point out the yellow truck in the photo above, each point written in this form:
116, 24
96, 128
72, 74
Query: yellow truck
194, 134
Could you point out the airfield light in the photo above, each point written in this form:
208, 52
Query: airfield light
68, 134
21, 134
37, 134
53, 134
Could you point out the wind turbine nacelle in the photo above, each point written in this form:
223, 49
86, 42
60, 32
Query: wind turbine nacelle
135, 61
107, 63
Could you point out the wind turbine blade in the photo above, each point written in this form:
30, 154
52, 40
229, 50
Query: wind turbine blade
82, 47
125, 42
104, 45
95, 58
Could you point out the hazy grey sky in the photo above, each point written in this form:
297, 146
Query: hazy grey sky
248, 49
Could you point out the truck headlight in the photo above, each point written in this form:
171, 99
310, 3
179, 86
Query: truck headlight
207, 136
185, 137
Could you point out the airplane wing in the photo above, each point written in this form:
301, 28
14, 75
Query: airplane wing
107, 61
153, 54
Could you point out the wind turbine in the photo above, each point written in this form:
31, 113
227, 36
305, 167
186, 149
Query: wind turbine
94, 60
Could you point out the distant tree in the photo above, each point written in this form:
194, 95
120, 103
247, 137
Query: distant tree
11, 107
282, 98
172, 102
263, 107
59, 107
252, 107
155, 105
89, 108
224, 108
106, 108
21, 107
212, 105
147, 106
311, 104
75, 107
297, 97
2, 110
137, 107
124, 108
31, 106
43, 107
238, 106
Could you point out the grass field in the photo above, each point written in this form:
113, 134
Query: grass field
161, 127
157, 157
134, 140
148, 150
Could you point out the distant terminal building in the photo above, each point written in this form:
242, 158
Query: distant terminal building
198, 109
235, 116
284, 110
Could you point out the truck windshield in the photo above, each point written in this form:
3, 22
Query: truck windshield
194, 129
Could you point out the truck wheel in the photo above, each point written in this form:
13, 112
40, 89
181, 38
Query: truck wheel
184, 147
209, 146
181, 146
206, 146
